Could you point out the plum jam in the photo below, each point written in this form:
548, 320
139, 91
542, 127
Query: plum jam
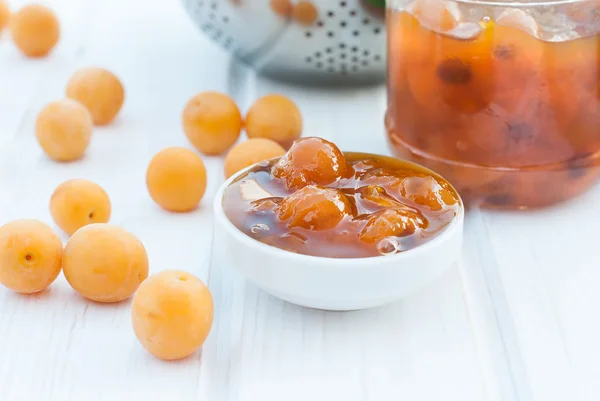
316, 200
502, 99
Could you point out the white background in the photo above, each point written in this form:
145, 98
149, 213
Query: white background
516, 319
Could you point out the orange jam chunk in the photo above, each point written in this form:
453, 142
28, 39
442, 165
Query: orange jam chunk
427, 191
378, 196
302, 203
392, 223
311, 161
314, 208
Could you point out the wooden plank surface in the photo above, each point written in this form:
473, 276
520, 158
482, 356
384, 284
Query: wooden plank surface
514, 320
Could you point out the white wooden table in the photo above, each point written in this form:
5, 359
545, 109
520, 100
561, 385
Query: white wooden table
517, 319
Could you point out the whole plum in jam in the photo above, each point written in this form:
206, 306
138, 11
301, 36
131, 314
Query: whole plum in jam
316, 200
314, 208
311, 161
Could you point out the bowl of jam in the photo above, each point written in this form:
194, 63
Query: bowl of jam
339, 230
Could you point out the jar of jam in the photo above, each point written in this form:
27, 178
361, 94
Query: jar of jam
501, 98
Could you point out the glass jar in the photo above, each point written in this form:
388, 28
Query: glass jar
501, 98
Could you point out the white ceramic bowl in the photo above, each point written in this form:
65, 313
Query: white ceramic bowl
336, 284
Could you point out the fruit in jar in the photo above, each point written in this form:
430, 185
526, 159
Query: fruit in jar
274, 117
519, 56
458, 78
104, 263
4, 15
172, 314
305, 13
519, 125
314, 208
411, 32
392, 223
78, 202
212, 122
403, 28
35, 30
30, 256
99, 90
542, 113
63, 129
572, 71
439, 16
311, 160
519, 19
252, 151
176, 179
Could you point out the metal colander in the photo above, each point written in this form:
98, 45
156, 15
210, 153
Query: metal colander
345, 44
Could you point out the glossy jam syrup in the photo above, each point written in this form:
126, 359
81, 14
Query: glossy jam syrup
510, 120
377, 206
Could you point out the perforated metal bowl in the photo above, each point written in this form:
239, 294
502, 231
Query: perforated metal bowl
345, 44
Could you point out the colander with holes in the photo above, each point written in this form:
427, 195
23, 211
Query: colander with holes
306, 41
